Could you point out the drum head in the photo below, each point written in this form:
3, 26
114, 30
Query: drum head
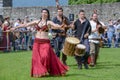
73, 40
81, 46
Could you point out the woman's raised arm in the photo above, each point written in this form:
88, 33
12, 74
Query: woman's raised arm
30, 24
53, 25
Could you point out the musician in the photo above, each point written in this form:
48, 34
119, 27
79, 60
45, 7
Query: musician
83, 30
60, 34
94, 38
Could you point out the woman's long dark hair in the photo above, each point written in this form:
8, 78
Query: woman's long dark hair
48, 18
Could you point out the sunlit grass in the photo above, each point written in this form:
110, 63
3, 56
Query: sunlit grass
16, 66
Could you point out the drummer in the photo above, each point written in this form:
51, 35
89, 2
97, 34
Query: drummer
83, 30
60, 34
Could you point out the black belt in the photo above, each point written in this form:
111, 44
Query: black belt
94, 39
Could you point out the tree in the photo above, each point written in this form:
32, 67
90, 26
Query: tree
75, 2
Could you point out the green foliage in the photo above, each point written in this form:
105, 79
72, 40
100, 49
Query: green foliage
76, 2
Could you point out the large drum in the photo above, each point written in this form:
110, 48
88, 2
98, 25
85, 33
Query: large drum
69, 45
80, 50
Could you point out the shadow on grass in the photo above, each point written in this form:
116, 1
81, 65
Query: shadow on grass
104, 62
12, 52
65, 76
102, 67
78, 75
116, 64
106, 65
72, 65
68, 75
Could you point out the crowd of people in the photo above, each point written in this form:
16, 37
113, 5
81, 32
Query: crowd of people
21, 33
23, 38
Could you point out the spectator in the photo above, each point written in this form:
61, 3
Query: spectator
110, 33
117, 34
1, 38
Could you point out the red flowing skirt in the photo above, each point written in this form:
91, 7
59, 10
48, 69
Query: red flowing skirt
44, 60
5, 42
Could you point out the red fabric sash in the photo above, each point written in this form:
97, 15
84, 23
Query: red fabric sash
37, 40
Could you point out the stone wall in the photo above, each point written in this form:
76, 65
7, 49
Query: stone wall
1, 7
106, 11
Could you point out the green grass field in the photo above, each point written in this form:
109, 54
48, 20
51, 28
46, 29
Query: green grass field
16, 66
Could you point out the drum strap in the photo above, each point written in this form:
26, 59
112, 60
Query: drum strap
84, 29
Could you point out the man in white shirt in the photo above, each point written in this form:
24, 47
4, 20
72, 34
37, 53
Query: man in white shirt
94, 38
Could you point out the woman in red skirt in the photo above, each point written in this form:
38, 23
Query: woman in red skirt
44, 60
